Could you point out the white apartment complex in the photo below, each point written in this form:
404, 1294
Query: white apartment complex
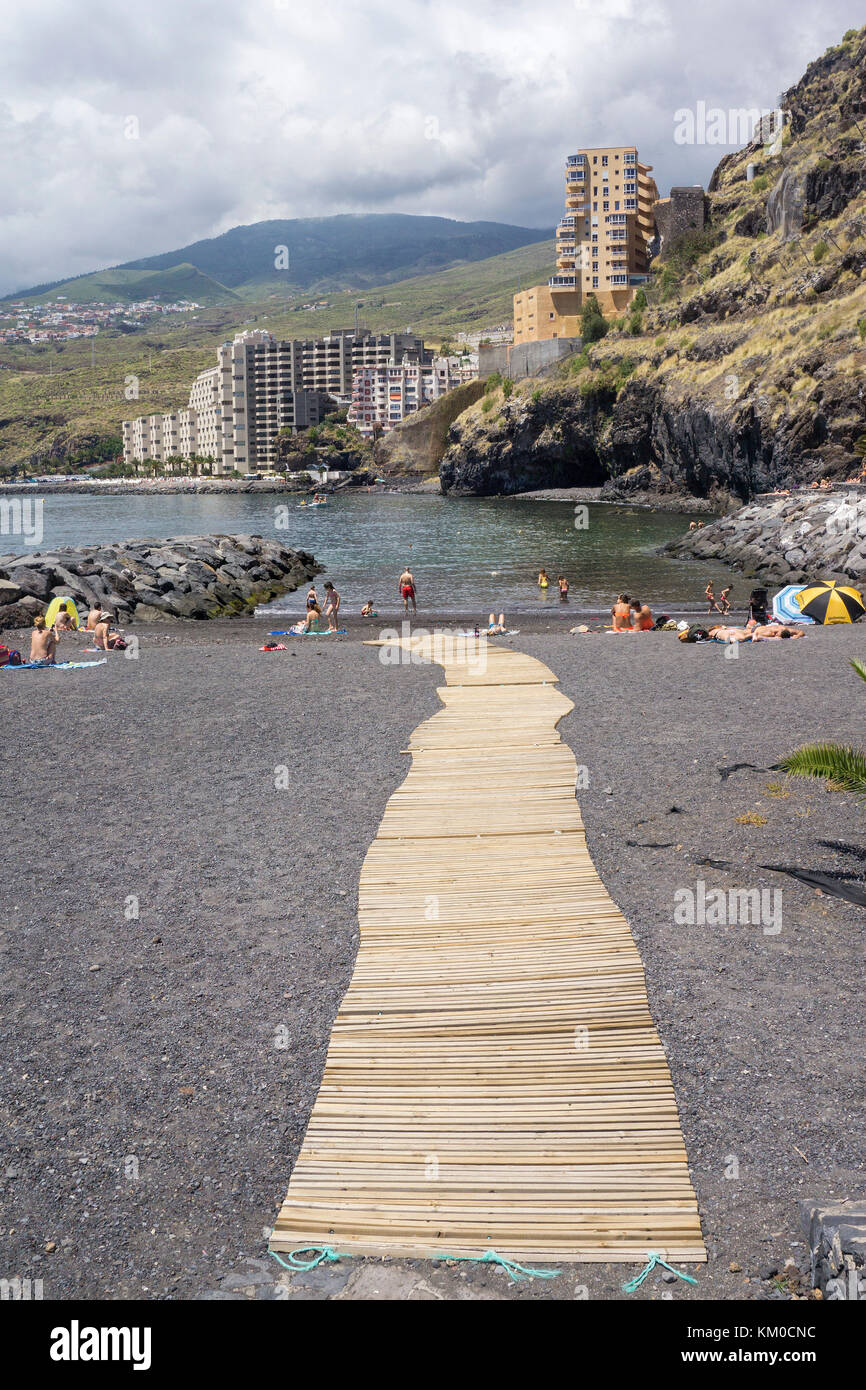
259, 386
384, 395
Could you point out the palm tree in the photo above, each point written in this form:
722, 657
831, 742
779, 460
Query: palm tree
832, 761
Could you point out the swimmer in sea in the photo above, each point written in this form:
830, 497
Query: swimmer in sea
563, 588
543, 580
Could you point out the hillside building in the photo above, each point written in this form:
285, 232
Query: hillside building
602, 244
384, 395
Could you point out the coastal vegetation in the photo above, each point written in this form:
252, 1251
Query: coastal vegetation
840, 765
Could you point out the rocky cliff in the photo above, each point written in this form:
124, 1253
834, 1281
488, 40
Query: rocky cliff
806, 536
154, 580
745, 369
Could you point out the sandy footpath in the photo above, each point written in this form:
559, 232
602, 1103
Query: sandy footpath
178, 931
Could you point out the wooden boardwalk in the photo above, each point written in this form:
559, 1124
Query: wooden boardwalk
494, 1078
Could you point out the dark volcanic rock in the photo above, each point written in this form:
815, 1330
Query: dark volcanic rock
808, 535
148, 581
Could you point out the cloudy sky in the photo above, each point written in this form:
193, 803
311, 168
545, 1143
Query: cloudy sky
127, 130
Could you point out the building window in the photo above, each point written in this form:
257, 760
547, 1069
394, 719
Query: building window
604, 159
595, 282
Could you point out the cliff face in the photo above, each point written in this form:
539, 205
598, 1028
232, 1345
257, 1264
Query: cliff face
745, 370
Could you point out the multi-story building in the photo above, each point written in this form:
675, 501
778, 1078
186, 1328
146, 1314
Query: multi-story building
602, 243
384, 395
259, 386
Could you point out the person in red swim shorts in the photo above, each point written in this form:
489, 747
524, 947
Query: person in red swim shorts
407, 590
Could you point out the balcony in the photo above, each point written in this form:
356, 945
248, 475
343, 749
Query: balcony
561, 282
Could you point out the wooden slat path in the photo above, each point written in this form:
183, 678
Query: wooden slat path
494, 1078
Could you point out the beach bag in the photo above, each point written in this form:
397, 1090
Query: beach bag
9, 656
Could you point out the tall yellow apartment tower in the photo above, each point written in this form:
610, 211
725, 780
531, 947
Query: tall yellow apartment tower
602, 244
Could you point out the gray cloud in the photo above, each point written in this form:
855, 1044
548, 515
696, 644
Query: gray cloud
241, 112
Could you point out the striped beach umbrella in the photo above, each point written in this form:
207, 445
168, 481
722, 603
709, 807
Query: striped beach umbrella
785, 605
831, 603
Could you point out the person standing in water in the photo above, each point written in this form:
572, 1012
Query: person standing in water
543, 580
563, 588
407, 590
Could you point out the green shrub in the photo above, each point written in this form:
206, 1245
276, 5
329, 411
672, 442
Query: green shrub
861, 329
593, 324
660, 340
761, 183
860, 446
507, 387
821, 249
494, 380
487, 404
579, 363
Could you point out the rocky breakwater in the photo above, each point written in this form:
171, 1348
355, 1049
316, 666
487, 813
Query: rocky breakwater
807, 535
154, 580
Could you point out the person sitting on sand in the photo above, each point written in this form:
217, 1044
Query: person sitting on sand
641, 617
332, 605
311, 622
621, 614
563, 588
721, 633
43, 643
493, 626
64, 622
367, 611
93, 616
407, 590
104, 639
771, 632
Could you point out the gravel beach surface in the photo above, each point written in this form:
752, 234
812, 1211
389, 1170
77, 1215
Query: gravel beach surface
185, 832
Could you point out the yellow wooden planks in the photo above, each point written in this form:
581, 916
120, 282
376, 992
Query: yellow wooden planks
494, 1078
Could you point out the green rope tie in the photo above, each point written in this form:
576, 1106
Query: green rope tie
654, 1259
323, 1254
514, 1270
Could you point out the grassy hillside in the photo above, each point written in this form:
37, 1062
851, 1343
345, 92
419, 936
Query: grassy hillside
182, 281
57, 404
323, 253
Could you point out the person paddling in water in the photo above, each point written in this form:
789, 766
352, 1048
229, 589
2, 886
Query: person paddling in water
407, 590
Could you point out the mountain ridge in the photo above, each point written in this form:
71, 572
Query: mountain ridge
346, 251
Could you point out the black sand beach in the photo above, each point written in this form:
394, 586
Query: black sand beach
159, 1069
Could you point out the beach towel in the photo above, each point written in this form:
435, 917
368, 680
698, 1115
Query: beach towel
274, 647
298, 631
55, 666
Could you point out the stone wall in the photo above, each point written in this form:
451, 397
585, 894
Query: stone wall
684, 211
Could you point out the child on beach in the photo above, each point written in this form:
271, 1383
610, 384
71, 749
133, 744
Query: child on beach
725, 599
563, 588
713, 606
543, 580
367, 610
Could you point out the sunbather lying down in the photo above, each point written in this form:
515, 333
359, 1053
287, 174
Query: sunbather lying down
721, 633
493, 626
771, 632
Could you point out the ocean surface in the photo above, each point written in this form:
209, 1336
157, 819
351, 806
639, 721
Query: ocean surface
468, 555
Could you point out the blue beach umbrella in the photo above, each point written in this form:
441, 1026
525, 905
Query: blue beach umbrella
785, 605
